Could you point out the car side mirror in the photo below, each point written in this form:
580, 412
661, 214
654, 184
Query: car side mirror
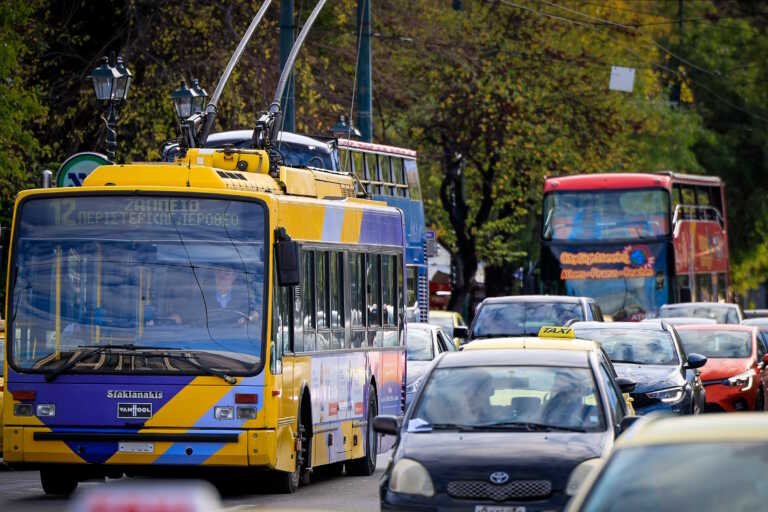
696, 361
627, 422
461, 331
386, 424
286, 258
626, 385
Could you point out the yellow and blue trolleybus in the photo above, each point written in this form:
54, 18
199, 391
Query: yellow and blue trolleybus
202, 313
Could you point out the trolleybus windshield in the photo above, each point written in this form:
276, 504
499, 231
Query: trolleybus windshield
171, 278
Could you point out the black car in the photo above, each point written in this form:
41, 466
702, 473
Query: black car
502, 428
524, 315
651, 354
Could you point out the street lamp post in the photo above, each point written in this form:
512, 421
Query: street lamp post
111, 85
189, 103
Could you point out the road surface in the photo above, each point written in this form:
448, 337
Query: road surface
20, 490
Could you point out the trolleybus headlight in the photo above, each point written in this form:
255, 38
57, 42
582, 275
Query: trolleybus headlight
742, 380
46, 410
410, 477
23, 410
224, 413
246, 413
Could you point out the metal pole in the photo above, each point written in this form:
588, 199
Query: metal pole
47, 175
365, 80
287, 34
111, 131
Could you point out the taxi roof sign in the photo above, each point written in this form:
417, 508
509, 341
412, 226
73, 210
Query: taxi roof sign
556, 332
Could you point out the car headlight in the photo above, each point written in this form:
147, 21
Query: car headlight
668, 396
410, 477
580, 474
742, 380
413, 386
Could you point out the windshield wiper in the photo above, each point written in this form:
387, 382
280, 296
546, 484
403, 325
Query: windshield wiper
86, 351
206, 369
51, 375
625, 361
529, 426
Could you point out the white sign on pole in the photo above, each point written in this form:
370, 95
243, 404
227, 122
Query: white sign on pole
622, 79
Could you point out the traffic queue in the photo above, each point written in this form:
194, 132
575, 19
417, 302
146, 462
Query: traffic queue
547, 407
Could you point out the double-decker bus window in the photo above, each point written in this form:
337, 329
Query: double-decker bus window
345, 160
398, 172
689, 195
386, 174
412, 175
373, 171
605, 215
308, 281
677, 196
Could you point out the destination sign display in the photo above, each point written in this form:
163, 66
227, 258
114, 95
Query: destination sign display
143, 211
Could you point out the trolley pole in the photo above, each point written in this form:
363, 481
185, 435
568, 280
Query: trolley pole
287, 35
364, 73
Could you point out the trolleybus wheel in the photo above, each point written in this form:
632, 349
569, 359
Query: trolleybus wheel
57, 483
366, 465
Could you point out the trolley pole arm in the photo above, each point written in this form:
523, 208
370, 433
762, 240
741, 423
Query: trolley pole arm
210, 109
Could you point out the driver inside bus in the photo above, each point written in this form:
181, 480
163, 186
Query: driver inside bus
227, 298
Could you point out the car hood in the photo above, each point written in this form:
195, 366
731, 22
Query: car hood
650, 377
450, 456
722, 368
416, 369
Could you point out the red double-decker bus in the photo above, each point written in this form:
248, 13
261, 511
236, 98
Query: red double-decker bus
635, 241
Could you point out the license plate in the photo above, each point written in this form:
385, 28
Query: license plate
494, 508
131, 447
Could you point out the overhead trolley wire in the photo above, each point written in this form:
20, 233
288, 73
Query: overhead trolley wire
677, 73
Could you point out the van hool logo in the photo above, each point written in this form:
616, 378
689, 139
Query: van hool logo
135, 395
134, 410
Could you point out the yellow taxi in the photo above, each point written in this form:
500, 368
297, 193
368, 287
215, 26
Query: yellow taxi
705, 463
451, 323
550, 337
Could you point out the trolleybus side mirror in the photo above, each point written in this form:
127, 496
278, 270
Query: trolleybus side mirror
286, 259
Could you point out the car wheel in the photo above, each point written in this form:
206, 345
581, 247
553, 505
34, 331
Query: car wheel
57, 483
366, 465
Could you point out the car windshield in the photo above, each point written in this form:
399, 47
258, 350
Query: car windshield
522, 318
419, 345
145, 271
721, 314
634, 346
445, 323
671, 477
605, 215
524, 397
722, 344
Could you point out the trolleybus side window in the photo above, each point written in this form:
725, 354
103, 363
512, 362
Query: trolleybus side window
336, 289
357, 297
308, 287
373, 298
322, 338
